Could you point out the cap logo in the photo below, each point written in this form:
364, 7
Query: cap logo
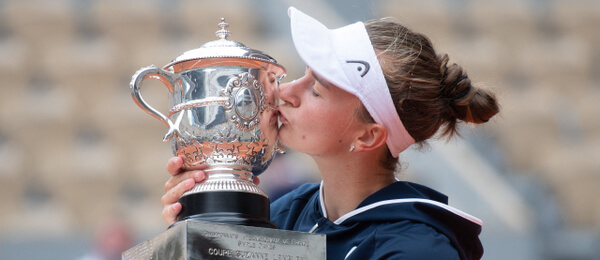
363, 69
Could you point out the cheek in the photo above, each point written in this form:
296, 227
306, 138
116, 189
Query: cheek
324, 127
310, 128
317, 127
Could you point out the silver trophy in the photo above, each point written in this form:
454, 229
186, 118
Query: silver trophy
223, 112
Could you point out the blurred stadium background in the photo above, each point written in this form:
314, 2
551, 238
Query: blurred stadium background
76, 153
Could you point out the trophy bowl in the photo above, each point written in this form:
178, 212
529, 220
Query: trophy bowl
223, 113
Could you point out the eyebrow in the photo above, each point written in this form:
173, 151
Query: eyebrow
320, 80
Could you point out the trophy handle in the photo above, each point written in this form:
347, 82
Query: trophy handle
151, 72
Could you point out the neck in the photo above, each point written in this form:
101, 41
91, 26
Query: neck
349, 180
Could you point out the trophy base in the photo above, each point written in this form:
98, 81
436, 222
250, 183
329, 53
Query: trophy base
229, 207
199, 240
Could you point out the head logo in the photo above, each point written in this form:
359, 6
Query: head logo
362, 69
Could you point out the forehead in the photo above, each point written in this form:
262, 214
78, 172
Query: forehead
321, 80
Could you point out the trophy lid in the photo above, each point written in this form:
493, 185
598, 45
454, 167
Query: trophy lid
223, 52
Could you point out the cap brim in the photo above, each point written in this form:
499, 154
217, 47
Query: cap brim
313, 42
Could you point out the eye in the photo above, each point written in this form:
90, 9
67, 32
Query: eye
272, 78
314, 93
311, 87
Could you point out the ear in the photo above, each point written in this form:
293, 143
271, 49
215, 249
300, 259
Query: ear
372, 138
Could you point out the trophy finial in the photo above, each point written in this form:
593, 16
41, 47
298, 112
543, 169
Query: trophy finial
223, 33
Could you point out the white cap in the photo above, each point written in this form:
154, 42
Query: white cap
345, 58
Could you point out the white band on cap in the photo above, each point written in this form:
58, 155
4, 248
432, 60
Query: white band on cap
345, 57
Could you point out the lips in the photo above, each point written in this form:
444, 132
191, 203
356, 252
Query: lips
282, 118
273, 118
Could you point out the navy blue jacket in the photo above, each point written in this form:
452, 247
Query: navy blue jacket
402, 221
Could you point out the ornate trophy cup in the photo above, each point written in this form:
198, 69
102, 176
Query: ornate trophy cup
222, 113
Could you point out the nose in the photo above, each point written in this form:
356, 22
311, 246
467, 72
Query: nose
288, 93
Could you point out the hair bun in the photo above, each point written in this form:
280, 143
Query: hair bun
464, 101
453, 86
431, 96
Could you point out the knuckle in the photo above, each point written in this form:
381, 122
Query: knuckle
167, 186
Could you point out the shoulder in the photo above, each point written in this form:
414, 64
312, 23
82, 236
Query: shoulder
303, 193
286, 210
417, 240
406, 240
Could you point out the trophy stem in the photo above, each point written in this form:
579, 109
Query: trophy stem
227, 179
230, 207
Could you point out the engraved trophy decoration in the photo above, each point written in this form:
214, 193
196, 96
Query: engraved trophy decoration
223, 100
223, 113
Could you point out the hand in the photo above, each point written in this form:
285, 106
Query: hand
181, 180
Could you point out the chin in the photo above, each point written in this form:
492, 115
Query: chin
286, 140
283, 138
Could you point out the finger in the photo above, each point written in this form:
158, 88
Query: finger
256, 180
198, 176
170, 213
175, 165
196, 166
172, 195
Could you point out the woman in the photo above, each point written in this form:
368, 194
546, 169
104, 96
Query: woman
369, 92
